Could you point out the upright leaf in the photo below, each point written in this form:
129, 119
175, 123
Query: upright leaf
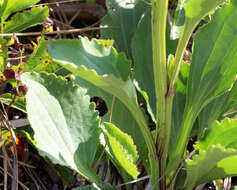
27, 19
214, 61
213, 68
124, 16
217, 154
65, 123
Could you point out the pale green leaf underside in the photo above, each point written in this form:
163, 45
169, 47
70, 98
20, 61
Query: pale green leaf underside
64, 121
27, 19
122, 149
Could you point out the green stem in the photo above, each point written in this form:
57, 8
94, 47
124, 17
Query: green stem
159, 14
186, 126
183, 41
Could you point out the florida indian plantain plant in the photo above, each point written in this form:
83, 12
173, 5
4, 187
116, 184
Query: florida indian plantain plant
182, 99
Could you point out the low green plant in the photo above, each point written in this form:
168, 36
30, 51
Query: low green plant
180, 98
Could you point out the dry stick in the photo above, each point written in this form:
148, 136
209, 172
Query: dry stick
37, 178
5, 166
19, 162
6, 122
53, 3
32, 178
4, 160
15, 179
77, 30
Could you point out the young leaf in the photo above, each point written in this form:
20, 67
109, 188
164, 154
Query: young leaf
179, 19
217, 153
40, 60
66, 124
27, 19
14, 6
122, 149
124, 15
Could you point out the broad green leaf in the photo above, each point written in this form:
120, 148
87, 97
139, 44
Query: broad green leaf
93, 54
19, 103
214, 61
99, 66
178, 22
217, 154
217, 108
124, 16
103, 72
27, 19
40, 60
122, 149
16, 5
142, 56
65, 123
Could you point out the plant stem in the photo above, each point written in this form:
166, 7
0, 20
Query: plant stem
138, 115
159, 14
186, 126
183, 41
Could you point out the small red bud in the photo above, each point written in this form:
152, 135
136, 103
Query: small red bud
9, 74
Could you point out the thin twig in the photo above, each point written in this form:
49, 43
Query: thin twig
19, 162
54, 3
77, 30
6, 123
15, 179
111, 109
